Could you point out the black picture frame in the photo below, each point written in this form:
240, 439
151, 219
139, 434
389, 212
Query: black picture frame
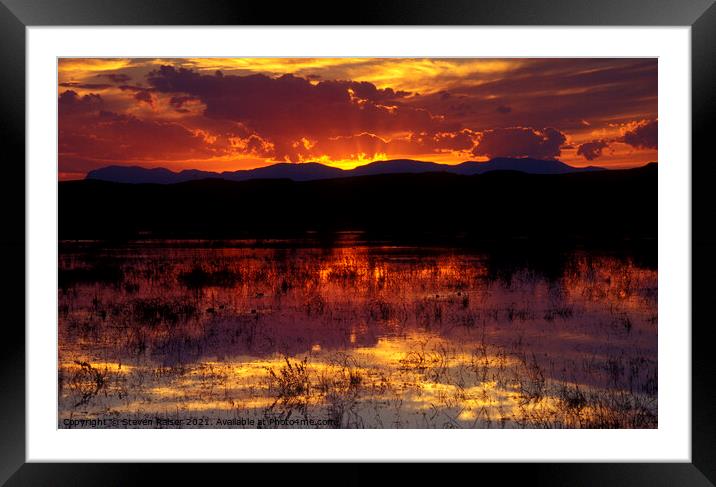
16, 15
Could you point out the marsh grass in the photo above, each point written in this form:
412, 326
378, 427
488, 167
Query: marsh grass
154, 311
87, 382
101, 273
290, 385
367, 338
199, 277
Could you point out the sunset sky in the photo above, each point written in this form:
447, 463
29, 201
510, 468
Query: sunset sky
228, 114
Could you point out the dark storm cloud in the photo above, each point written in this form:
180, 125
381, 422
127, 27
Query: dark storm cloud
592, 150
504, 109
644, 136
520, 142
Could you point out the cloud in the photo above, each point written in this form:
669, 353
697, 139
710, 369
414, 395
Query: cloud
553, 93
253, 145
642, 135
344, 147
232, 111
134, 88
520, 142
366, 145
288, 108
86, 86
145, 97
118, 137
592, 150
118, 78
459, 141
70, 103
368, 91
178, 102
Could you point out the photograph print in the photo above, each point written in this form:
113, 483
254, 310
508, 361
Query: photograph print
357, 243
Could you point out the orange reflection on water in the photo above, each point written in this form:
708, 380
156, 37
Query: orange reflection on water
365, 336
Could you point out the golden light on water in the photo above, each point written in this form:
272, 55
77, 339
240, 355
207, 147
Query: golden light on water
397, 336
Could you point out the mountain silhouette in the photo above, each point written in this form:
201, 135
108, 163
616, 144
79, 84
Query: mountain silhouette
397, 166
314, 171
529, 166
586, 206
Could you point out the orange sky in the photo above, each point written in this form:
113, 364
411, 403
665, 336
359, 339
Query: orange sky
228, 114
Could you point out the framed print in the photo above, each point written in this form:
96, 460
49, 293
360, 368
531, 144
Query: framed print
467, 232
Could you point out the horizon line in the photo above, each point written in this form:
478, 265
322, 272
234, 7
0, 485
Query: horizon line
297, 163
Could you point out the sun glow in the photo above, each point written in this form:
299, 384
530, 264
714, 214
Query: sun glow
241, 113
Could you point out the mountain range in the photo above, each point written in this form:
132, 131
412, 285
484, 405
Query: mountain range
587, 206
313, 171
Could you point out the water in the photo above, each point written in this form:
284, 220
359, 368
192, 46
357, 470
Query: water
354, 336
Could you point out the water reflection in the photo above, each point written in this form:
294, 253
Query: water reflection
364, 336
